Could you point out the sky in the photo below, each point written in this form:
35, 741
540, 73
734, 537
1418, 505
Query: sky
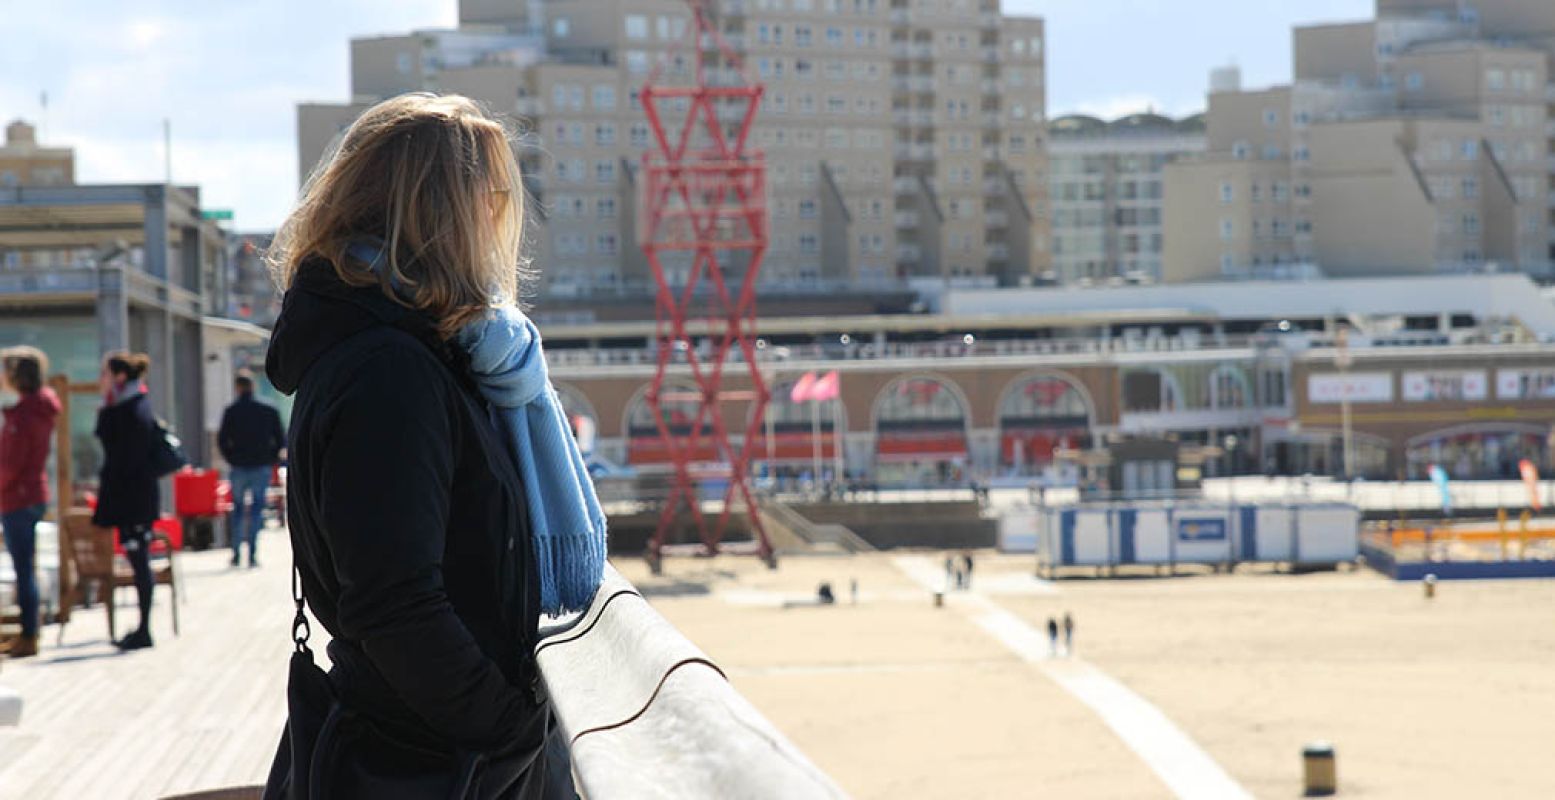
228, 75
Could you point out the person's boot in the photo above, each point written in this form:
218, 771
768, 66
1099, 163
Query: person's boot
23, 647
138, 640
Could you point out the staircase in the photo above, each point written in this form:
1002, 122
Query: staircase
791, 533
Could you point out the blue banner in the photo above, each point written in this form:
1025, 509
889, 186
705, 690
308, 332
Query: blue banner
1201, 529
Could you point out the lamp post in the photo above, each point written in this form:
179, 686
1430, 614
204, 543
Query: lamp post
1230, 443
1342, 361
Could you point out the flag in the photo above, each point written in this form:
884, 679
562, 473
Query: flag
802, 389
827, 388
1531, 480
1439, 477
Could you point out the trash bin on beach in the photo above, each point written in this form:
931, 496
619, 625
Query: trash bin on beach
1320, 775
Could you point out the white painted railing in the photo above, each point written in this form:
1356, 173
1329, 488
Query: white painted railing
648, 715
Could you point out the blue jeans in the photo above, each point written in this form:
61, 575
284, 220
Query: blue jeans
248, 507
21, 541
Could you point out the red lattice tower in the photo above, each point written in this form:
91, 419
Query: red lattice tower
704, 231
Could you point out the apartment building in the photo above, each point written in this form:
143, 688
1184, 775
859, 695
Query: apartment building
904, 138
1105, 183
24, 162
1409, 144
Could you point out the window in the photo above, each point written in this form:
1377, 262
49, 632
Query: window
561, 27
605, 171
1470, 188
1271, 118
808, 244
1271, 152
1278, 192
1227, 229
604, 135
605, 208
639, 134
1302, 154
404, 62
807, 209
1227, 194
1414, 82
1240, 151
802, 35
1254, 193
1495, 80
636, 26
605, 244
636, 62
1470, 149
1470, 225
834, 37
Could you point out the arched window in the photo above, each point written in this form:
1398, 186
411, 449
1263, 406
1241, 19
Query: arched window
1037, 416
919, 403
679, 403
1228, 388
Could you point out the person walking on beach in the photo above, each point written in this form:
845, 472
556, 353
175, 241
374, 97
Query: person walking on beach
1068, 634
30, 411
250, 440
952, 577
438, 502
1052, 636
128, 497
966, 564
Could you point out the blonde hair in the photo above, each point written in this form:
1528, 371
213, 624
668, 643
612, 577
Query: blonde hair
434, 178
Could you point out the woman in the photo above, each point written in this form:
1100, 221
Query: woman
436, 505
127, 494
30, 411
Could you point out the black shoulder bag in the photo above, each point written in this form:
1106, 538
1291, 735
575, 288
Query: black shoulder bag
329, 751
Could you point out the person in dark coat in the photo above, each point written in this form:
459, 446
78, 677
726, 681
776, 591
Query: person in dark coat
1052, 636
407, 515
127, 496
30, 411
250, 440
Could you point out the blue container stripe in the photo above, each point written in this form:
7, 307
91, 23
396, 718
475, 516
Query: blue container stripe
1249, 533
1128, 518
1066, 522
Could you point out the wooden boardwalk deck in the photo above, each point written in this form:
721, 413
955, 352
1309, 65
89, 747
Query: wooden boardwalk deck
199, 711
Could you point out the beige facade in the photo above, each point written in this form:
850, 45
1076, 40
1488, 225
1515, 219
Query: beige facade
902, 139
1413, 143
24, 162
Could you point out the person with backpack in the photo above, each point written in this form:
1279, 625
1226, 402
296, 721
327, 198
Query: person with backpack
30, 411
128, 497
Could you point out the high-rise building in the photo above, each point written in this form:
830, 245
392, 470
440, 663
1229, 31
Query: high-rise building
904, 138
1408, 144
1105, 181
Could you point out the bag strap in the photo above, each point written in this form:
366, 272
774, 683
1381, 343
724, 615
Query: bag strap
301, 629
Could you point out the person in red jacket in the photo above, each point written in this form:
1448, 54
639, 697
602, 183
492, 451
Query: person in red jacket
30, 410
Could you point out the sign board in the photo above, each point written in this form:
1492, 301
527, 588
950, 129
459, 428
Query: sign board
1445, 385
1201, 529
224, 214
1525, 384
1357, 387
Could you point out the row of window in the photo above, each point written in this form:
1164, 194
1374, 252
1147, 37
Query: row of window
1096, 191
1277, 227
572, 206
1279, 192
575, 170
577, 244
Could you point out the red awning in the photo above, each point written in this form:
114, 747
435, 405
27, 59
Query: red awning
898, 447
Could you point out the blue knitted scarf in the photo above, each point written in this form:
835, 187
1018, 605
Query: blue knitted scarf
568, 524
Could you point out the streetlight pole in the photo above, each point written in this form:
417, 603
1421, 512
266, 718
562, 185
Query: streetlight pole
1342, 361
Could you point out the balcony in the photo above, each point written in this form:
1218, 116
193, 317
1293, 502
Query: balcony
913, 83
991, 55
905, 184
900, 16
916, 151
993, 121
912, 50
998, 252
909, 253
733, 8
993, 187
990, 86
997, 219
906, 219
991, 153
